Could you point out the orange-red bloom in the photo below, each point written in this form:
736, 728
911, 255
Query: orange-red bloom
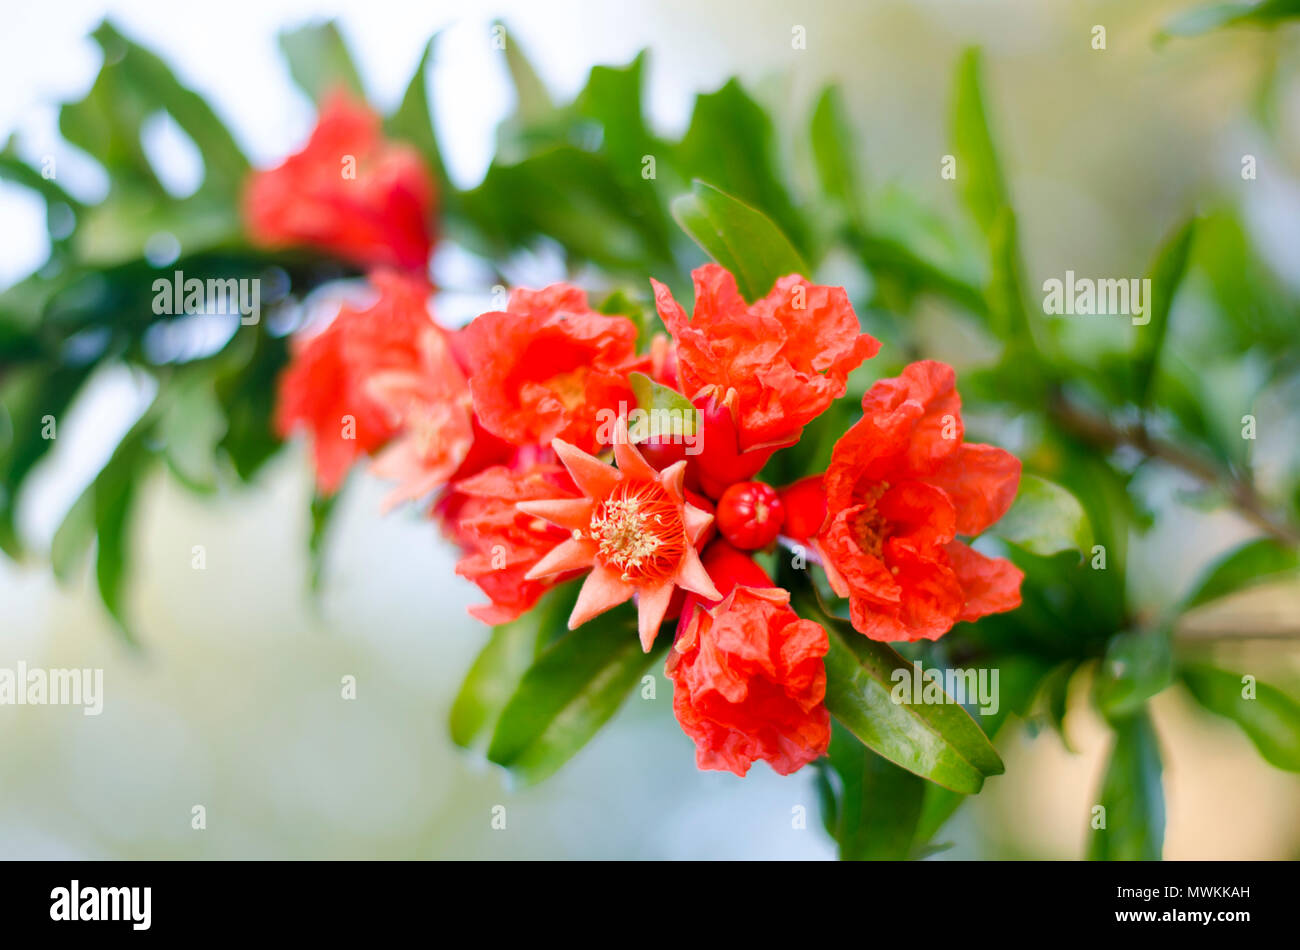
748, 676
787, 357
549, 367
501, 543
348, 192
633, 528
901, 486
326, 388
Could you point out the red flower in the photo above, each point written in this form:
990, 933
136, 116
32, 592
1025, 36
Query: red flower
748, 677
326, 386
633, 528
348, 192
548, 367
901, 485
787, 356
501, 543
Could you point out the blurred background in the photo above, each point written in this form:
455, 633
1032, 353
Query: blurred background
235, 704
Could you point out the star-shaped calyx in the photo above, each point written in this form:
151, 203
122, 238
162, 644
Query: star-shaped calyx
633, 527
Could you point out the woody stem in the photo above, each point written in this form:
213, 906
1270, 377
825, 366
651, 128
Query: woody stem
1099, 431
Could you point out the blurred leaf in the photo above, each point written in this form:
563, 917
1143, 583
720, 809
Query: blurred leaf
1214, 16
73, 538
319, 61
153, 83
26, 400
190, 426
739, 238
878, 804
248, 391
322, 511
573, 689
938, 741
413, 123
1045, 519
1136, 667
979, 172
731, 144
1254, 562
1271, 719
1133, 795
835, 157
510, 652
532, 102
1166, 275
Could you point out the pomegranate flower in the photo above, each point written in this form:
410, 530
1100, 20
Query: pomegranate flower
748, 675
549, 367
326, 387
633, 528
787, 357
902, 484
348, 192
501, 544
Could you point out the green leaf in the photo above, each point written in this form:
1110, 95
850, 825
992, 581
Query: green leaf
1270, 718
322, 514
834, 156
150, 80
739, 238
937, 741
1133, 796
655, 397
979, 171
1214, 16
1137, 666
574, 688
510, 651
878, 804
532, 101
319, 61
732, 144
1255, 562
190, 427
413, 123
1166, 275
1045, 519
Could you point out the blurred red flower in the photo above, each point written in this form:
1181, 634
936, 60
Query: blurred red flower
326, 390
348, 192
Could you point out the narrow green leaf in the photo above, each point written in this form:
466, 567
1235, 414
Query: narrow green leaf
656, 397
413, 122
510, 651
739, 238
572, 690
1267, 715
938, 741
1132, 795
1255, 562
532, 101
979, 171
1166, 275
1046, 519
322, 514
319, 61
834, 155
1137, 666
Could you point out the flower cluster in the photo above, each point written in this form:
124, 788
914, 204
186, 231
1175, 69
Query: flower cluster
501, 428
